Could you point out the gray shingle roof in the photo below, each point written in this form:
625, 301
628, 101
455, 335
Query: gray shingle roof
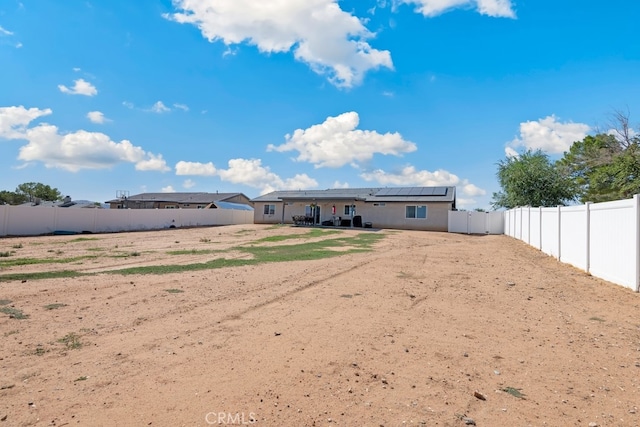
179, 197
384, 194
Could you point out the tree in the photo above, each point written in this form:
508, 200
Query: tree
11, 198
37, 190
606, 166
587, 164
531, 179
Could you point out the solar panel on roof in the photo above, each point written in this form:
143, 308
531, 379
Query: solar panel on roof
440, 191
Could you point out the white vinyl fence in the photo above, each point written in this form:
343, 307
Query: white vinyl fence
476, 222
602, 239
33, 221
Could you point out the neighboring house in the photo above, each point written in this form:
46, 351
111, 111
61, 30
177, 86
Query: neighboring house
64, 203
411, 208
180, 201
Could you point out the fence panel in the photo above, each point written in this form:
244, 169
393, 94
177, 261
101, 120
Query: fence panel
524, 234
613, 242
495, 222
535, 222
476, 222
574, 236
550, 230
32, 221
458, 222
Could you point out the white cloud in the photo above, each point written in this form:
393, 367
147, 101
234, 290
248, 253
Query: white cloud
182, 107
409, 176
70, 151
14, 120
5, 32
330, 40
168, 189
494, 8
97, 117
188, 183
249, 172
548, 135
195, 169
336, 142
159, 108
338, 184
80, 87
153, 163
128, 104
76, 150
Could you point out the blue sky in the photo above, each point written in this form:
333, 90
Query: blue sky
256, 95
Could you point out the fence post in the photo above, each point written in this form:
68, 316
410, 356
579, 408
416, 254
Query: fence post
559, 233
540, 231
636, 206
529, 225
587, 207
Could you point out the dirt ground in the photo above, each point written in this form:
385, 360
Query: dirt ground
428, 329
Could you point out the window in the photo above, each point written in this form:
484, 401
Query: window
419, 212
269, 209
379, 204
348, 208
170, 207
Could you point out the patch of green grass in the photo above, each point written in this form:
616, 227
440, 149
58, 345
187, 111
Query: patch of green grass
597, 319
82, 378
515, 392
6, 254
5, 301
135, 253
54, 306
362, 242
310, 234
82, 239
205, 240
174, 291
17, 246
96, 249
14, 313
40, 351
193, 252
33, 261
9, 333
71, 341
41, 275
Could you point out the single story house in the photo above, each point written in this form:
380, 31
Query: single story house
182, 201
411, 208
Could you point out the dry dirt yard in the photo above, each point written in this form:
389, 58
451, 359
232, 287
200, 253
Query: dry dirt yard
354, 328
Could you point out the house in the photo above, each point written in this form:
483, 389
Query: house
411, 208
182, 201
66, 202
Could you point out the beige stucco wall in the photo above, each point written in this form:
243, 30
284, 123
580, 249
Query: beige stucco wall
391, 215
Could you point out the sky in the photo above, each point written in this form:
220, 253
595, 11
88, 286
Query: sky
103, 97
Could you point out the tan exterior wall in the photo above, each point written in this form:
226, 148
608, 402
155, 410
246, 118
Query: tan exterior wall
387, 215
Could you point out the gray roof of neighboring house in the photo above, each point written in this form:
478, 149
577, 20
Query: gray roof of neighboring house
230, 205
179, 197
384, 194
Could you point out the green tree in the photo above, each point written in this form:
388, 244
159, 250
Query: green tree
588, 165
11, 198
531, 179
37, 190
606, 166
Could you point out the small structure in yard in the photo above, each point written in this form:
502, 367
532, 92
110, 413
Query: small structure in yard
410, 208
181, 201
